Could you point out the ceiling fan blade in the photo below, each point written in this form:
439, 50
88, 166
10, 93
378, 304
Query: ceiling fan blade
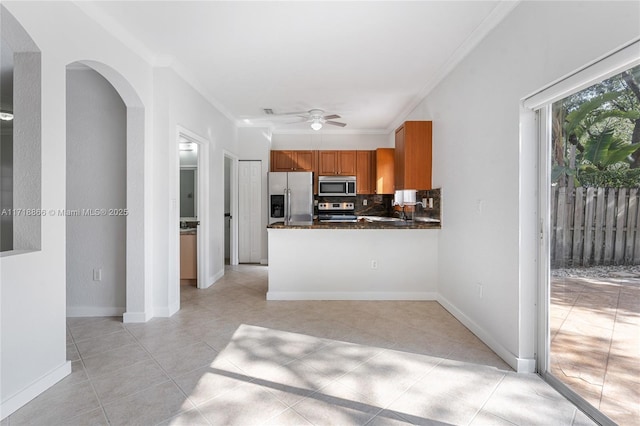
277, 114
331, 117
336, 123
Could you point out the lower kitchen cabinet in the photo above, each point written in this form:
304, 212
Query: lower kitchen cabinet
188, 256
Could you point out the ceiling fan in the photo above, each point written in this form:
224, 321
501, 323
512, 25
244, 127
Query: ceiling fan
314, 116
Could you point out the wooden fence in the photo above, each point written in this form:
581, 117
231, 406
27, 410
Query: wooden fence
595, 226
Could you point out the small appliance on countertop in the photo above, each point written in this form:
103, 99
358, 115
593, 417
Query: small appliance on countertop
337, 212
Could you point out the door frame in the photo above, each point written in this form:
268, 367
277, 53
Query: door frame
202, 247
540, 103
233, 205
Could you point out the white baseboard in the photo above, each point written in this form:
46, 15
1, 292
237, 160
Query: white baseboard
18, 400
520, 365
166, 312
93, 311
133, 317
216, 277
320, 295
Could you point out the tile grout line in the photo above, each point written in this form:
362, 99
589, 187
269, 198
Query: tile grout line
606, 368
171, 379
495, 388
93, 388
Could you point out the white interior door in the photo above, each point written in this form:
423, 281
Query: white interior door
249, 208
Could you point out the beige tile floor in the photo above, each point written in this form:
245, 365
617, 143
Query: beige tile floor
595, 342
229, 357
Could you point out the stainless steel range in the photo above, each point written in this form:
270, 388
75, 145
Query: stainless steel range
337, 212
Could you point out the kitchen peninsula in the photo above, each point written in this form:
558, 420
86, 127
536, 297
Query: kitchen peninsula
364, 260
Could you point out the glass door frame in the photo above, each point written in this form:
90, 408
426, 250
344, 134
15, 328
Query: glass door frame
541, 102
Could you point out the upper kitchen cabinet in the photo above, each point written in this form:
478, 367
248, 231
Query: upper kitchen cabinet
292, 161
341, 163
365, 172
384, 171
413, 155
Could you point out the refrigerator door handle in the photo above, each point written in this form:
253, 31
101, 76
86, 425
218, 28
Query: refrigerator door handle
288, 205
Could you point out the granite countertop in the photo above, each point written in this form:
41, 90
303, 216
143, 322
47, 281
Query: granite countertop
361, 224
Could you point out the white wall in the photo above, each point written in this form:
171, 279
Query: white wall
179, 104
489, 218
96, 179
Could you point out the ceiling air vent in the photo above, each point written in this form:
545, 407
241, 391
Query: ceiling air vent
268, 111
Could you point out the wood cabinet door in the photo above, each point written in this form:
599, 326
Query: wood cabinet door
304, 161
399, 160
327, 163
417, 155
282, 161
347, 163
365, 172
384, 170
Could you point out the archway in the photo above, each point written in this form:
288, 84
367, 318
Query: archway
138, 289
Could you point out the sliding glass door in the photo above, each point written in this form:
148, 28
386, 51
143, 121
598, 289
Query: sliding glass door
591, 168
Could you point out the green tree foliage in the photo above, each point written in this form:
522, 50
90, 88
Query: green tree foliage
596, 134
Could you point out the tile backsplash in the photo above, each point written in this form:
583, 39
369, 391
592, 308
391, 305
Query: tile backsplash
380, 205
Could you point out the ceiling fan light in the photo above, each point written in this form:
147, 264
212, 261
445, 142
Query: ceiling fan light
316, 125
6, 116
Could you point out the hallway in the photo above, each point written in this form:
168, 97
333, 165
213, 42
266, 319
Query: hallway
231, 357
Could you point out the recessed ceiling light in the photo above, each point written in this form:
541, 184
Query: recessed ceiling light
6, 116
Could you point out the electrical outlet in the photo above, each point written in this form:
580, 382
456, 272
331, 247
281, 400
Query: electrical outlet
374, 264
364, 202
430, 203
97, 274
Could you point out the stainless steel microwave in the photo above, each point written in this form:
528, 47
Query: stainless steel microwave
337, 186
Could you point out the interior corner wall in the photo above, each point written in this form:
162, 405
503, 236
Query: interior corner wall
96, 179
256, 144
488, 218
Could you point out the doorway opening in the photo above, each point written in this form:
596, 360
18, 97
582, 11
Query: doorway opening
192, 212
230, 209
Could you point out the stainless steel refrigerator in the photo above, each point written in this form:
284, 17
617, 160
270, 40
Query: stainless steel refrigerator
291, 198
